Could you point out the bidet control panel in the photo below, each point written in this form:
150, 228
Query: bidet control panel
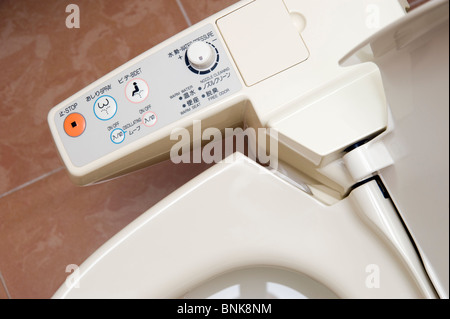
130, 103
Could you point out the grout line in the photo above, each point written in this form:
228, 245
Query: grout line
31, 182
180, 5
2, 280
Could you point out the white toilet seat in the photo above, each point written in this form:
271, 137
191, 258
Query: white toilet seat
204, 229
261, 283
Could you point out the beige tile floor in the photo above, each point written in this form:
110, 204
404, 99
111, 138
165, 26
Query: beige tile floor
46, 222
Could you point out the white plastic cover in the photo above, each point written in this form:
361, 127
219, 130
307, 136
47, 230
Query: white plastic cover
413, 56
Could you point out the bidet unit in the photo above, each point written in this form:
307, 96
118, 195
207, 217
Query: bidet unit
354, 94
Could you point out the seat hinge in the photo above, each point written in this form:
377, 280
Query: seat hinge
367, 159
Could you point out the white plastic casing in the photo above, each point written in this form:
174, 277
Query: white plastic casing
412, 155
317, 107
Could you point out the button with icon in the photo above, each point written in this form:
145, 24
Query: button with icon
149, 119
74, 124
136, 90
117, 136
105, 107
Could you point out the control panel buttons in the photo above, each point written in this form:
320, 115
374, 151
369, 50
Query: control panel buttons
201, 55
136, 90
119, 111
117, 136
74, 124
149, 119
105, 107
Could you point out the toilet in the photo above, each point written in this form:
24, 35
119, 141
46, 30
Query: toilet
353, 203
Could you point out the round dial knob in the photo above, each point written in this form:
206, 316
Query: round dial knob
201, 55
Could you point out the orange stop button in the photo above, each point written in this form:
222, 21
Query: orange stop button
74, 124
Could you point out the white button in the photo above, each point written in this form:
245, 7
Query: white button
149, 119
136, 90
201, 55
105, 107
117, 136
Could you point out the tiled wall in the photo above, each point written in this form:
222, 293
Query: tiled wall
46, 222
